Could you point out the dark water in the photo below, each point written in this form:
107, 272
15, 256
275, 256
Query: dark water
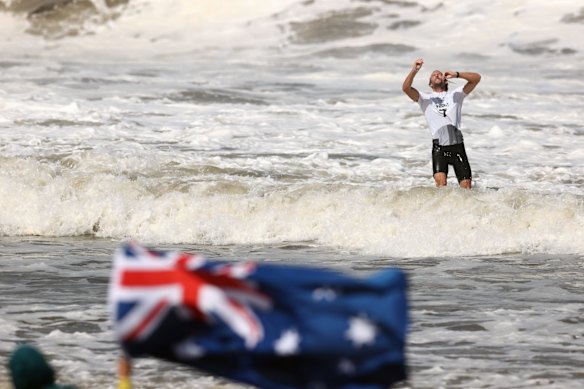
477, 322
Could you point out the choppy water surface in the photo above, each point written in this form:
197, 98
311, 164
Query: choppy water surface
513, 321
278, 131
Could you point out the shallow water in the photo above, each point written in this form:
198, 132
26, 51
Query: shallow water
500, 321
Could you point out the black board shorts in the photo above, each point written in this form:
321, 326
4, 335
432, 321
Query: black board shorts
454, 155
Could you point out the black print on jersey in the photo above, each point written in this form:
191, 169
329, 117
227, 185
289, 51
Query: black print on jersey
441, 106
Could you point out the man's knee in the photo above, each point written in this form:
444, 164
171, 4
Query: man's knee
466, 184
440, 179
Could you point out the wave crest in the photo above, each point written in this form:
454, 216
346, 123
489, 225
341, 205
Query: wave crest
417, 222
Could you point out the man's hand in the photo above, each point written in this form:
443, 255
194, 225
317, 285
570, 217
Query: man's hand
450, 74
418, 64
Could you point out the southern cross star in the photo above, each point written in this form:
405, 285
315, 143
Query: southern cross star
288, 343
361, 331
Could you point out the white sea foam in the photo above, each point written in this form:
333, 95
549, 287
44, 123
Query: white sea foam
391, 221
263, 122
440, 29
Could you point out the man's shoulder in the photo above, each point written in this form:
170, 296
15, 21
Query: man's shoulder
458, 89
425, 95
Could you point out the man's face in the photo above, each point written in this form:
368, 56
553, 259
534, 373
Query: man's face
437, 79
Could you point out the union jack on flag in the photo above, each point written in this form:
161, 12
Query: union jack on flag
149, 283
272, 326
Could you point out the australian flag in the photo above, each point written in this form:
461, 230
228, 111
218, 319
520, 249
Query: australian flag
271, 326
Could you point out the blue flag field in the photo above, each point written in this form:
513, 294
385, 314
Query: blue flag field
271, 326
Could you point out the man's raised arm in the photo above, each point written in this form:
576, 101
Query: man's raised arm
407, 86
472, 79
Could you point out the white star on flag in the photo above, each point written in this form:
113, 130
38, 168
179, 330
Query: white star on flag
361, 331
324, 294
288, 343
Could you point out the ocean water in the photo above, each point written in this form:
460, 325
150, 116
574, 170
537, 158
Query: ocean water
278, 131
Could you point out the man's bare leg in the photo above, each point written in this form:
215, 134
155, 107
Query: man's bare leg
466, 184
440, 179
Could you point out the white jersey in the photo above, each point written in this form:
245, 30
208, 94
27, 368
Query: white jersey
442, 111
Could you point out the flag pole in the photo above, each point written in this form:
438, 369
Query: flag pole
124, 372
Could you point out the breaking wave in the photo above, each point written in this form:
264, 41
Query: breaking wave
414, 222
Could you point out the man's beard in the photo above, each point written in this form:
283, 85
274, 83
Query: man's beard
442, 85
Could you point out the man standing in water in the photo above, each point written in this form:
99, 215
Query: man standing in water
442, 110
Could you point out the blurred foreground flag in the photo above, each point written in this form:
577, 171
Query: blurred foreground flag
271, 326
